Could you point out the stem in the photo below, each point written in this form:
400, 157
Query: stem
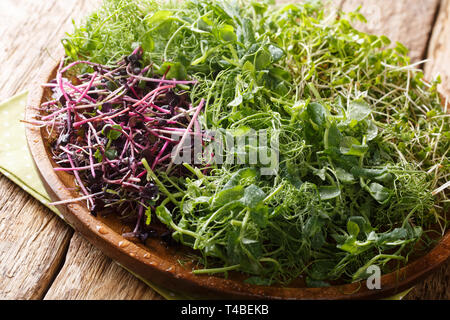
216, 270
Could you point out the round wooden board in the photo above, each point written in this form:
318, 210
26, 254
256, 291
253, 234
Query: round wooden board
159, 264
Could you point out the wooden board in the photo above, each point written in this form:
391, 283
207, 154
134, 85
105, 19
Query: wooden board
41, 257
406, 21
439, 49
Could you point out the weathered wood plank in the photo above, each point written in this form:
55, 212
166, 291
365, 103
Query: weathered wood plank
406, 21
33, 242
89, 274
439, 49
29, 32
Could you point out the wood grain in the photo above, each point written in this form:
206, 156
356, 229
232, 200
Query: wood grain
89, 275
30, 31
435, 287
406, 21
33, 242
439, 49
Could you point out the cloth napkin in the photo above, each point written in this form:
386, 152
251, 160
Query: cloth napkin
17, 165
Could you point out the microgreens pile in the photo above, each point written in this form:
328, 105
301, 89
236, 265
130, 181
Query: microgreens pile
111, 128
363, 140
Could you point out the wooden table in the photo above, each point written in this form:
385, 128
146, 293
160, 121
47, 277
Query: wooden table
43, 258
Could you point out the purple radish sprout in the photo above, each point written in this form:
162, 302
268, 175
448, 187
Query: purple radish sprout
101, 125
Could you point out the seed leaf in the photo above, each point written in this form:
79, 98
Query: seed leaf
329, 192
358, 110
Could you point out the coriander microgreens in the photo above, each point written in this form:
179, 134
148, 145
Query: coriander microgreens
363, 138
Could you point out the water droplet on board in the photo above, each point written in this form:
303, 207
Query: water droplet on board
132, 254
146, 256
123, 244
101, 230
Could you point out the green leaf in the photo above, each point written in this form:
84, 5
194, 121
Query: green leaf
352, 228
148, 214
276, 53
329, 192
243, 176
358, 110
385, 40
362, 223
163, 215
111, 153
344, 176
355, 150
352, 147
236, 101
379, 193
205, 24
317, 113
260, 7
262, 59
226, 33
228, 195
386, 178
372, 130
349, 245
112, 132
147, 43
175, 70
313, 225
401, 49
367, 172
398, 234
159, 17
334, 136
319, 172
280, 74
98, 155
253, 196
259, 215
246, 33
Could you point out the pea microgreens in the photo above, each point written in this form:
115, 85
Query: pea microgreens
364, 142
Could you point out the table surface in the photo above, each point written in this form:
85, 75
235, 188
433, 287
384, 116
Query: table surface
43, 258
